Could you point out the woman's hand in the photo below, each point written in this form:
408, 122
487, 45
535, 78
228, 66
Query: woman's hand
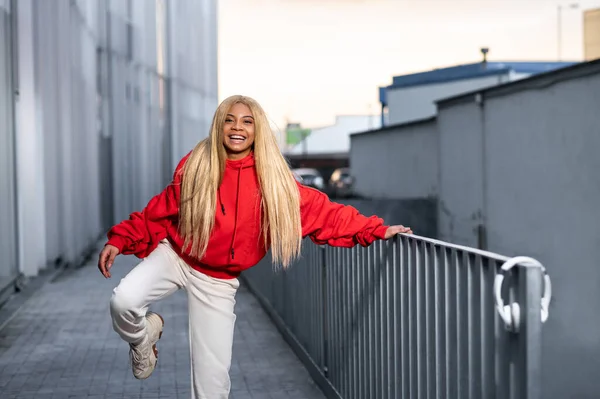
106, 259
393, 230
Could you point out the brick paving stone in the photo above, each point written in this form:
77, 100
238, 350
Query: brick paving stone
60, 344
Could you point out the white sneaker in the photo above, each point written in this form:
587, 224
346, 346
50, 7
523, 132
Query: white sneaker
145, 355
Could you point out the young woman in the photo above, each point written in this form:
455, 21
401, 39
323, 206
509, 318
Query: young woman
231, 199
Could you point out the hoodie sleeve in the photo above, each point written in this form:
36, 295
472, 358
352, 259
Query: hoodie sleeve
140, 234
338, 225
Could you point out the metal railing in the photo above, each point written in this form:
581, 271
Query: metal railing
411, 318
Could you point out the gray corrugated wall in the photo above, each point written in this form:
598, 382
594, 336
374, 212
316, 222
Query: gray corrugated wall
104, 125
8, 242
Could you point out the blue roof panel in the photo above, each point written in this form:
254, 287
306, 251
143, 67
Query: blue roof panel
468, 71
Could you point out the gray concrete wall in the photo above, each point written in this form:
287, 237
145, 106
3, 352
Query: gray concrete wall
536, 184
396, 162
419, 214
543, 196
460, 170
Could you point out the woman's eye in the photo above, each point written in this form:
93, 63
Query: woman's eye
228, 120
248, 122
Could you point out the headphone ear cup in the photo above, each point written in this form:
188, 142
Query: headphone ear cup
515, 316
510, 319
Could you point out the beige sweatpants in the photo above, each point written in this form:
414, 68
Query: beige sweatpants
211, 303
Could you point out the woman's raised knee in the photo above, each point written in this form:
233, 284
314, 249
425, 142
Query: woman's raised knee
123, 301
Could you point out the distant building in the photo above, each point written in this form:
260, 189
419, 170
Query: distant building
591, 34
327, 148
294, 134
412, 97
335, 139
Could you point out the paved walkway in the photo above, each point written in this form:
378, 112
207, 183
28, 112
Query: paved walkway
60, 344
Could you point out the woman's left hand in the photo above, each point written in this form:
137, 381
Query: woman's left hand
393, 230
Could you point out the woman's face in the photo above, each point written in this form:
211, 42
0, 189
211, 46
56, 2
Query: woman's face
238, 131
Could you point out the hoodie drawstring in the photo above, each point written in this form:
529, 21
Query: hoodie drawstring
221, 201
237, 202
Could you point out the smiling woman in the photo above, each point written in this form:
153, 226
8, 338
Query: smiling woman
233, 198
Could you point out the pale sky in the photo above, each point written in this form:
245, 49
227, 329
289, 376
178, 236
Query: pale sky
309, 60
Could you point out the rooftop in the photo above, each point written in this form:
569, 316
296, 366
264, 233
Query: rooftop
469, 71
542, 79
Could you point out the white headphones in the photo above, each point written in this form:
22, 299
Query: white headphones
511, 314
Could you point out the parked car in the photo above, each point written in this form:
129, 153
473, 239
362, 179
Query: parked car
341, 183
309, 177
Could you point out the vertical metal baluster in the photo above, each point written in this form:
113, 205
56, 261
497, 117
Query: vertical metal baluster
345, 344
469, 336
390, 346
355, 328
325, 313
336, 297
397, 295
331, 275
364, 323
351, 325
451, 329
502, 348
367, 268
318, 315
475, 327
304, 305
331, 314
430, 318
418, 319
488, 312
357, 322
371, 299
384, 318
311, 311
300, 321
413, 319
342, 316
377, 320
440, 322
462, 306
360, 323
420, 273
340, 332
318, 308
405, 318
514, 372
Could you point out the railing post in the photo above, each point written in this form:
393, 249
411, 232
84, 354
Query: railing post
324, 312
530, 332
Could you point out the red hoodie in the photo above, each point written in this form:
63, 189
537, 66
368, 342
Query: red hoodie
236, 242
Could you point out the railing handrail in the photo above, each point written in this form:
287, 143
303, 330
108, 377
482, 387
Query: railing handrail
475, 251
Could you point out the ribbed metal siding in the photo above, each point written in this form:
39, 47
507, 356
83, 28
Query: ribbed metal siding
65, 45
100, 98
8, 211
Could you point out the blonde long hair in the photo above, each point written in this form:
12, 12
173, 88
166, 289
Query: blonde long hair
203, 173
